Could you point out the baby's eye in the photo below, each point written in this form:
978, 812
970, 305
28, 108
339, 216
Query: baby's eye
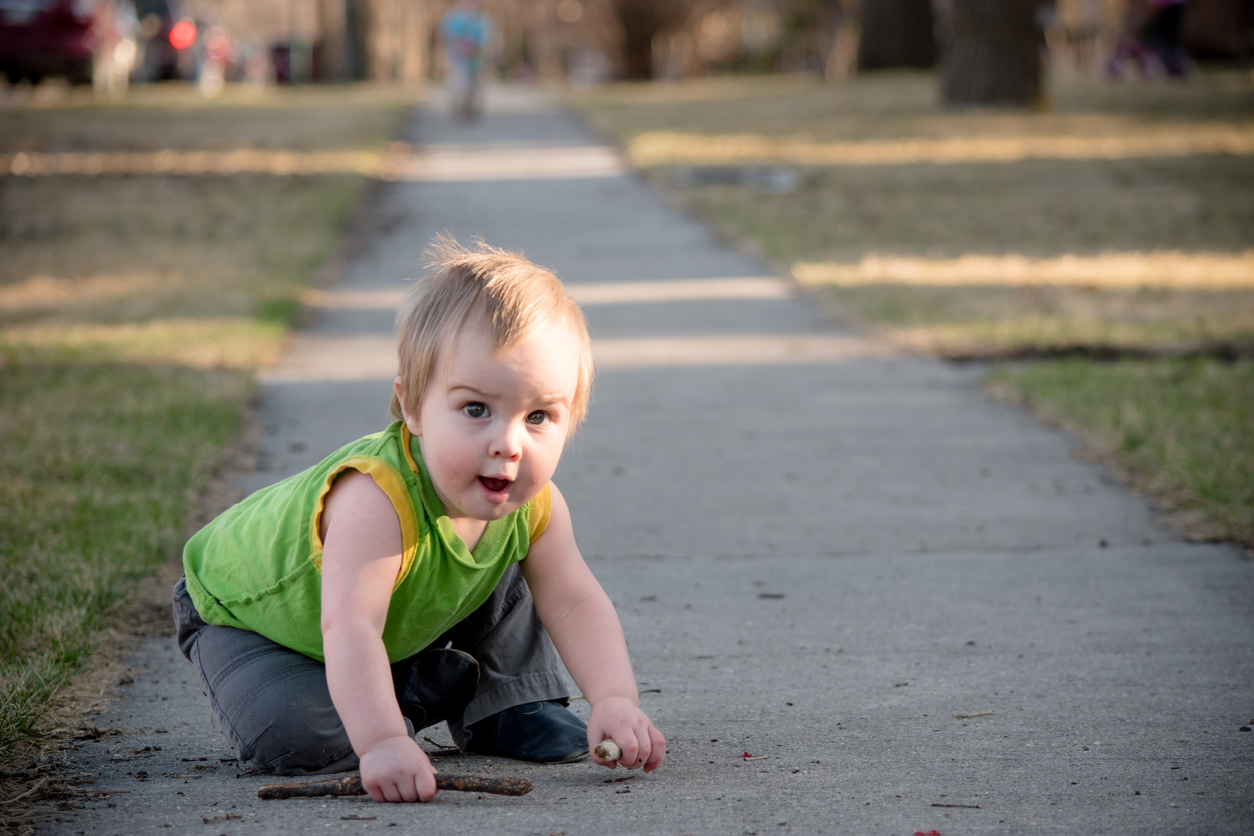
475, 410
538, 418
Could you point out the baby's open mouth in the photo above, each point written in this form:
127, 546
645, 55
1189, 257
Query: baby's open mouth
494, 485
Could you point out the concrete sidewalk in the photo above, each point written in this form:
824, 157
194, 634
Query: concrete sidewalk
860, 596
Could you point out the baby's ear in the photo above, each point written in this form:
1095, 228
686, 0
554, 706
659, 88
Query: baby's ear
398, 409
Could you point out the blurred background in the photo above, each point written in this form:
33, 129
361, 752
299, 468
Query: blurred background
110, 43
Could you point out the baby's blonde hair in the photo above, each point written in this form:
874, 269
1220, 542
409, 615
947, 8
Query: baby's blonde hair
504, 290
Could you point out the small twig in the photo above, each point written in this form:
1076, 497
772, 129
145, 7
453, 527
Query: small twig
972, 714
962, 806
352, 786
759, 758
441, 749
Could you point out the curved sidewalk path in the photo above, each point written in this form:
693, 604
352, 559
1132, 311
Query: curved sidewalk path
914, 608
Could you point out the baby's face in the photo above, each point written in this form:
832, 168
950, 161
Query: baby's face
493, 426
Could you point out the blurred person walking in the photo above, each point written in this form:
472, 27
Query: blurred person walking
1150, 41
465, 32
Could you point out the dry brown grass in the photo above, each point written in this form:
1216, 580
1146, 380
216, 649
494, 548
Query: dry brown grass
164, 268
986, 305
165, 118
1128, 271
656, 148
896, 107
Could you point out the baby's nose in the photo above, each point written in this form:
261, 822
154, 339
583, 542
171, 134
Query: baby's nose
508, 442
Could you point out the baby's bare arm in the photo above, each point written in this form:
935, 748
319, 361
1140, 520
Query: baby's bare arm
585, 628
361, 558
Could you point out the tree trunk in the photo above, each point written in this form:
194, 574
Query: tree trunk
331, 41
637, 47
994, 54
896, 33
640, 22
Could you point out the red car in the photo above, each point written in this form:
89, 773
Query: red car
77, 39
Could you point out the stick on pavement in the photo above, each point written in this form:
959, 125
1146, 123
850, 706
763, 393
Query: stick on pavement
352, 786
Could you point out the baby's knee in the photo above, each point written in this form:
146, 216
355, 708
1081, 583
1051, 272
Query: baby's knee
301, 738
271, 703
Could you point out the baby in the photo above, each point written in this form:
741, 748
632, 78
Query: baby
415, 576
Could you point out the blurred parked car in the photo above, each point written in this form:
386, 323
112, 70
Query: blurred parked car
87, 41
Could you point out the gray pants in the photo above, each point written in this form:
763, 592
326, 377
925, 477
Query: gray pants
274, 707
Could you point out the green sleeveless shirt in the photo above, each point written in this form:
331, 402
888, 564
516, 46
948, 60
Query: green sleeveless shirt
259, 565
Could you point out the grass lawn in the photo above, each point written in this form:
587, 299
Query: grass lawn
1117, 221
134, 309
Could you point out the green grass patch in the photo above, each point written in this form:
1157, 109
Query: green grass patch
100, 463
134, 309
1185, 428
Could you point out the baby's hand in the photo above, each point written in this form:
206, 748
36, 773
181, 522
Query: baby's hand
621, 720
396, 769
